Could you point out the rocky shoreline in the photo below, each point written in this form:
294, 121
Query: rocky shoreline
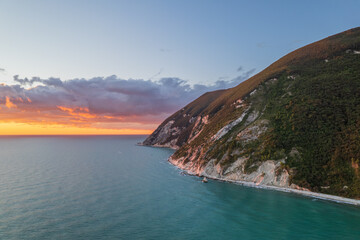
306, 193
310, 194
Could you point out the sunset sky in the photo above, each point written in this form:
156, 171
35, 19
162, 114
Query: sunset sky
122, 67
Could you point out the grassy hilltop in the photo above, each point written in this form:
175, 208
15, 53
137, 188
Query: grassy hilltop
303, 110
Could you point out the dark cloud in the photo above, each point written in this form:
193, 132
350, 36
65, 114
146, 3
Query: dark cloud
165, 50
157, 74
2, 70
48, 82
99, 99
244, 76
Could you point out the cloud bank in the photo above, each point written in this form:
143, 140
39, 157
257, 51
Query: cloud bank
108, 102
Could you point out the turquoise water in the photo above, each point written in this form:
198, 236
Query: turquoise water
106, 187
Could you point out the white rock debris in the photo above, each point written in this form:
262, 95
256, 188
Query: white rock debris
293, 77
252, 132
253, 92
267, 173
228, 127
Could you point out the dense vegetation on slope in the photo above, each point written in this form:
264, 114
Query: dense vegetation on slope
322, 118
309, 104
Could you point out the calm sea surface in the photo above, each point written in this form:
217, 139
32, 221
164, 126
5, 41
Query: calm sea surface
106, 187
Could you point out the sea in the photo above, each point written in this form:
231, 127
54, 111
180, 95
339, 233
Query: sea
108, 187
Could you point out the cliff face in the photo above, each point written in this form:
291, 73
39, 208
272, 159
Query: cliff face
183, 125
296, 124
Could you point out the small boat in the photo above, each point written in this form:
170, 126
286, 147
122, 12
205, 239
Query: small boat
204, 180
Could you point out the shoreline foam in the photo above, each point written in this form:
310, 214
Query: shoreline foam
310, 194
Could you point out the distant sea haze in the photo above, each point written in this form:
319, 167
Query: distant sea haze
107, 187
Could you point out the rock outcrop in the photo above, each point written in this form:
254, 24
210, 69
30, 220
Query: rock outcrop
296, 124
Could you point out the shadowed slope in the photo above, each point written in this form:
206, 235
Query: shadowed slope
305, 110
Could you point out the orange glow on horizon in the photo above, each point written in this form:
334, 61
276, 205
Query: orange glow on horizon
37, 129
80, 112
9, 104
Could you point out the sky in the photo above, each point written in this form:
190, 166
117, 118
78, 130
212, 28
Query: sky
122, 67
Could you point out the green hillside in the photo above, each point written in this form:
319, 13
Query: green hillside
303, 110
